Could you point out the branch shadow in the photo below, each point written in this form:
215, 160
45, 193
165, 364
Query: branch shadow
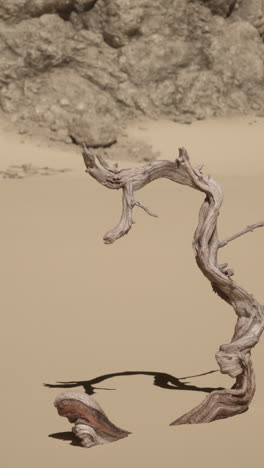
160, 379
66, 436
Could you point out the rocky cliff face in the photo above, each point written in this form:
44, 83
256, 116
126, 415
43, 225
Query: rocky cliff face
80, 67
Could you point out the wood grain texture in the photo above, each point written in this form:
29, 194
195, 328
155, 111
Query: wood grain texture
233, 358
91, 425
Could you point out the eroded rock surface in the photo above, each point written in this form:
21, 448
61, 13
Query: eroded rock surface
81, 67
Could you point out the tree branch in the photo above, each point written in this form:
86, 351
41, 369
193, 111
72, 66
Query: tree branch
241, 233
131, 180
233, 358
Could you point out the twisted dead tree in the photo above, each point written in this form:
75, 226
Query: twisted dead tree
233, 358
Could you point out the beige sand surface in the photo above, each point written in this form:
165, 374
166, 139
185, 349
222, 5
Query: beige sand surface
74, 309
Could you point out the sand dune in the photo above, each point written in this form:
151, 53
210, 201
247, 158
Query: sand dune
76, 309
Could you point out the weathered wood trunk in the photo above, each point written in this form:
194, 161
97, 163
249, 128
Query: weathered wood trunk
91, 425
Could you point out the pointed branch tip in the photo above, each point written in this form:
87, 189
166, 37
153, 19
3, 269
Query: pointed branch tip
247, 229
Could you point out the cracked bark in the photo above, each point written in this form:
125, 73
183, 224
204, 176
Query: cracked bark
233, 358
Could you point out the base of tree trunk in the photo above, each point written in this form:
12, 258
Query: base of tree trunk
91, 425
222, 404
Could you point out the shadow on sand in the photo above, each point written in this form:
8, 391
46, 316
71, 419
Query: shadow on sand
160, 379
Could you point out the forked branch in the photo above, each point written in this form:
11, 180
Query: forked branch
233, 358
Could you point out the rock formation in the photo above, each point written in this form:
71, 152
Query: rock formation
80, 67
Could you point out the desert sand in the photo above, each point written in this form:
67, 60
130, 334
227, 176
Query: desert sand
75, 309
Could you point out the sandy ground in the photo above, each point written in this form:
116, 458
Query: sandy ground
75, 309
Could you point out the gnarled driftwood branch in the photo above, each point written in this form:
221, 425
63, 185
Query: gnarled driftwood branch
233, 358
